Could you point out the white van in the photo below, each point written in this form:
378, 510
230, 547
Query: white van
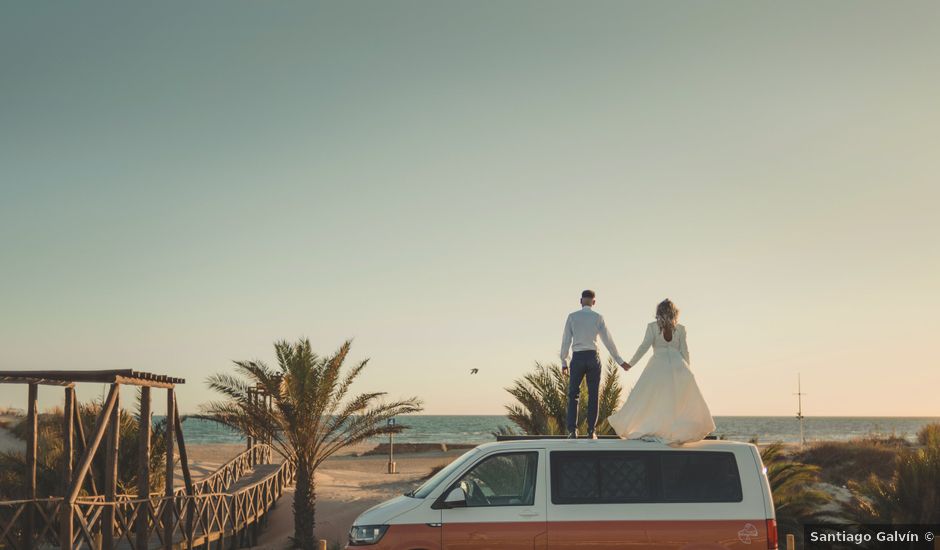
554, 494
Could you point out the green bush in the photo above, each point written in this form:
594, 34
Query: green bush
910, 495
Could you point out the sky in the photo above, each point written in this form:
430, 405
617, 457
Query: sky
182, 184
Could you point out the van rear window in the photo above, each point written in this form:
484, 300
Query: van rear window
609, 477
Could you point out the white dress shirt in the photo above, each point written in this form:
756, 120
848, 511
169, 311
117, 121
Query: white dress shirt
581, 331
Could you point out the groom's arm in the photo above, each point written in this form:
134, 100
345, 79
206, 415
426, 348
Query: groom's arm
566, 338
609, 342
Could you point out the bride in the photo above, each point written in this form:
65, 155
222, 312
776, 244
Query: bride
665, 404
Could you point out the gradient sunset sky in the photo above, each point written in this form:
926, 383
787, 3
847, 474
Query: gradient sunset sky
184, 183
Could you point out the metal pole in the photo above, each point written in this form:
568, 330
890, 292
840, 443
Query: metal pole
799, 413
391, 451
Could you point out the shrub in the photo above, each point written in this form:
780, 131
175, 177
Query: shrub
844, 461
929, 435
910, 495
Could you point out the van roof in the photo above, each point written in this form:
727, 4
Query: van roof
613, 445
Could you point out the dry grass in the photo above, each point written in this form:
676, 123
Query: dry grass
929, 435
855, 460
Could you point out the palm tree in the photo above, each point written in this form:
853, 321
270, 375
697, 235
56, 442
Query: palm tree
796, 500
542, 397
310, 418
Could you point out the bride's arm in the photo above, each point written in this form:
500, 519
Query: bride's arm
684, 346
647, 342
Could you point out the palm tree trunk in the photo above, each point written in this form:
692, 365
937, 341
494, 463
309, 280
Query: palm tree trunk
304, 507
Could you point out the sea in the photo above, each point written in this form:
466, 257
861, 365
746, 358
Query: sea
480, 429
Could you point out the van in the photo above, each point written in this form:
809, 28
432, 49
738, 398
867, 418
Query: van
555, 494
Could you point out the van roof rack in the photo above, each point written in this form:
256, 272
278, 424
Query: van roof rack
711, 437
538, 437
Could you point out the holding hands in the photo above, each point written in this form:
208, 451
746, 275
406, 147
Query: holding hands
625, 366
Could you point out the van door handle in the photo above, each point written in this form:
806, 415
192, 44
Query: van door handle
528, 514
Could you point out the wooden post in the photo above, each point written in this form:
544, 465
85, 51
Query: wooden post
68, 438
791, 542
32, 418
321, 544
108, 515
143, 468
168, 487
251, 441
89, 454
66, 531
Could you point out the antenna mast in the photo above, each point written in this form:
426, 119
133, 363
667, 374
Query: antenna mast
799, 413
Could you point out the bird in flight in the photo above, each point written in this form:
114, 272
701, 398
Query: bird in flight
474, 371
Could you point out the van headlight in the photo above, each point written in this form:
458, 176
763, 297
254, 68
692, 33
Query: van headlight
362, 535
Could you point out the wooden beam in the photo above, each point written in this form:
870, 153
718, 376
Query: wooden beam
184, 463
60, 377
89, 455
168, 487
66, 527
33, 380
80, 425
187, 476
143, 382
32, 443
111, 473
143, 468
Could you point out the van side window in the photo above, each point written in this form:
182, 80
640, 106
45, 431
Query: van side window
501, 480
600, 477
608, 477
700, 477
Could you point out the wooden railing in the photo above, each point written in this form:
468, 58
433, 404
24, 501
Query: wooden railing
216, 511
221, 479
45, 515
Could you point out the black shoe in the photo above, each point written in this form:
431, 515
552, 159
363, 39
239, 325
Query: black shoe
572, 435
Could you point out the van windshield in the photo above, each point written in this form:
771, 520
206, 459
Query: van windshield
428, 486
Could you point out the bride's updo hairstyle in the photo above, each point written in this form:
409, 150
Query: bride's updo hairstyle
667, 315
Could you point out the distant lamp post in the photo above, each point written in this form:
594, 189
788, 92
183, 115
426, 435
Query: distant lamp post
391, 453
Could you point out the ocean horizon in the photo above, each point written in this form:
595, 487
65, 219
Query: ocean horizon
476, 429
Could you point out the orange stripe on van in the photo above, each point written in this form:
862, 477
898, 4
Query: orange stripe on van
737, 534
407, 537
564, 535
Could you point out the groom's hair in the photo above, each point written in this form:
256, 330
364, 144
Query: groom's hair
588, 294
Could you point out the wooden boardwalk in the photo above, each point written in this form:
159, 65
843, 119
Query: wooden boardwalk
224, 511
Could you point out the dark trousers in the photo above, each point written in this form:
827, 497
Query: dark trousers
584, 364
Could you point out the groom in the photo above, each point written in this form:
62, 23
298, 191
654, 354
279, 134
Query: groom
581, 331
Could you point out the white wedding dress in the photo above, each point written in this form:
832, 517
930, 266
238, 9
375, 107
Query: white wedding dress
665, 404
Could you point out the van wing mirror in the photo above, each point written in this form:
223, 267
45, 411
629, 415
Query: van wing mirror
456, 498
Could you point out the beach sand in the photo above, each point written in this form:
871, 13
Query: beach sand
346, 486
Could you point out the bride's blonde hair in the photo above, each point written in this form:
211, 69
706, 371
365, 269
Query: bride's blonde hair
667, 315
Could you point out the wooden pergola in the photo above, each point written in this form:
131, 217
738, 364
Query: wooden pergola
107, 426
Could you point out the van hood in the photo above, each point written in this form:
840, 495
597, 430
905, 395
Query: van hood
385, 512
